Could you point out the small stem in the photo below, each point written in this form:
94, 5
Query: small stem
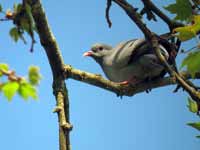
109, 3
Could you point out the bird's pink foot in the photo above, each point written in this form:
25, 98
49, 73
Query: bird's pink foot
124, 83
132, 81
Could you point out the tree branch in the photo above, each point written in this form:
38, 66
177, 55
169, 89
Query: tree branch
52, 50
148, 4
109, 3
121, 90
130, 11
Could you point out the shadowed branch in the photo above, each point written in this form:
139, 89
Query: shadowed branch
120, 90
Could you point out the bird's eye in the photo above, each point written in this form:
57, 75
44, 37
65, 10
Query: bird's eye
100, 48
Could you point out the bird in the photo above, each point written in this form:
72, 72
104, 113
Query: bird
130, 62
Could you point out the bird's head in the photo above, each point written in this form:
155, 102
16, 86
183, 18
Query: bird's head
98, 51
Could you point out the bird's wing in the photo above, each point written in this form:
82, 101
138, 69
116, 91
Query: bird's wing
127, 52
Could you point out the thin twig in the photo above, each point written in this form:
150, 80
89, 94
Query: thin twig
152, 7
109, 3
5, 19
11, 75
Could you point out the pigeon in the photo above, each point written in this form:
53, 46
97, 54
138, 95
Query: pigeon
130, 62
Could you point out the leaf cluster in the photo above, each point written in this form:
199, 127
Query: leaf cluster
19, 85
187, 12
23, 23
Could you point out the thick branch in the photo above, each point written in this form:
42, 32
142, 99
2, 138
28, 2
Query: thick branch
99, 81
52, 50
47, 38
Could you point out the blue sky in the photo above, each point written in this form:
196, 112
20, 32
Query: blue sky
154, 121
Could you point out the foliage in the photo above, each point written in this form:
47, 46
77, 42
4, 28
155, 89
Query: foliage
19, 85
195, 125
182, 9
34, 75
14, 34
23, 23
192, 106
191, 63
189, 31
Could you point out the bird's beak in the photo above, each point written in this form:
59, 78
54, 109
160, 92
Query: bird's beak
89, 53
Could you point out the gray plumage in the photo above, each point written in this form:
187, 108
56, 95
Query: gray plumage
128, 61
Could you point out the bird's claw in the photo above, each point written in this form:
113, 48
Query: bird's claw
124, 83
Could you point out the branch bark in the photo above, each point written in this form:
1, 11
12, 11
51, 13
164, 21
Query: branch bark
99, 81
148, 4
52, 50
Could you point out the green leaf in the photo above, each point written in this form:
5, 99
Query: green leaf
182, 9
192, 105
25, 24
189, 31
14, 34
30, 16
34, 75
192, 62
17, 8
3, 67
26, 90
1, 85
1, 9
195, 125
9, 89
28, 9
198, 136
184, 33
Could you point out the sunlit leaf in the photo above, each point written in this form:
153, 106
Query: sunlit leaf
188, 32
9, 89
182, 9
3, 67
195, 125
26, 90
192, 105
185, 33
192, 62
34, 75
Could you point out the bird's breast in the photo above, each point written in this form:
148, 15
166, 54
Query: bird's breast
122, 74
